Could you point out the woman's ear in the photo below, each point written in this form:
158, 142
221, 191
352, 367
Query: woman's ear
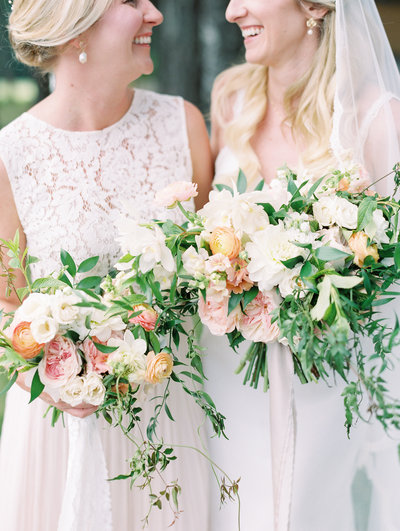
76, 43
314, 10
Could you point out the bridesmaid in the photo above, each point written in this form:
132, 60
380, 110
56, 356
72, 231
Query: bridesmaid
65, 167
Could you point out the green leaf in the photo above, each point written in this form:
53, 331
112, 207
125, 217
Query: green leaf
221, 187
47, 283
68, 262
241, 182
168, 412
249, 296
314, 187
37, 387
292, 262
88, 265
268, 208
234, 300
192, 376
89, 283
328, 254
154, 342
306, 270
207, 398
31, 260
10, 383
260, 186
397, 256
367, 207
104, 348
65, 280
292, 188
92, 304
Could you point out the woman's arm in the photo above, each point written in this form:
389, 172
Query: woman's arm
9, 224
201, 153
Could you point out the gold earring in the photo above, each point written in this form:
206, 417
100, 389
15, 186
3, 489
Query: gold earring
83, 54
311, 23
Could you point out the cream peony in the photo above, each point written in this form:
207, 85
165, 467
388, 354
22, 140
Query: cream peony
73, 391
63, 307
129, 361
176, 192
35, 306
44, 329
268, 248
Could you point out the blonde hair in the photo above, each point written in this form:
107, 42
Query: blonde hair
308, 103
39, 29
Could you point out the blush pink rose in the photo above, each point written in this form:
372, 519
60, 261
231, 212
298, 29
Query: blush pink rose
97, 361
255, 324
176, 192
214, 314
238, 276
61, 362
146, 319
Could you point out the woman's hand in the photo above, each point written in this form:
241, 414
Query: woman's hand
81, 410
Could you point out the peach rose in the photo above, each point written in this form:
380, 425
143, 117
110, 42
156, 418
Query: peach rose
224, 240
146, 319
97, 360
343, 185
61, 362
23, 341
256, 322
159, 367
238, 276
358, 244
176, 192
214, 314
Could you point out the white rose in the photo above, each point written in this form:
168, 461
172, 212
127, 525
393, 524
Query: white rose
63, 307
73, 391
44, 329
36, 305
93, 389
345, 213
291, 282
324, 210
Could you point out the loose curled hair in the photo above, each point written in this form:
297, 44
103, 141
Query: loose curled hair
39, 29
308, 103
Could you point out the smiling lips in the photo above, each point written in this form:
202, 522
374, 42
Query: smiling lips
252, 31
143, 40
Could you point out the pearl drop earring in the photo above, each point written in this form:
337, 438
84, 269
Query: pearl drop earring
83, 54
311, 23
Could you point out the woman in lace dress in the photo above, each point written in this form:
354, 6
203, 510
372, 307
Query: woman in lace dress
66, 167
277, 109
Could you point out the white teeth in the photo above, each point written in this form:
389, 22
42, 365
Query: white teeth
251, 32
142, 40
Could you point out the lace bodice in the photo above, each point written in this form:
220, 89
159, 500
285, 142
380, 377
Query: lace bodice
69, 186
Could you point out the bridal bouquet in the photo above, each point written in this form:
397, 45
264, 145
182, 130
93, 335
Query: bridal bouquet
300, 262
94, 340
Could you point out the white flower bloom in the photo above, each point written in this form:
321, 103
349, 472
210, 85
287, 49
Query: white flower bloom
73, 391
346, 213
329, 210
129, 361
103, 326
44, 329
36, 305
194, 262
240, 212
324, 210
291, 282
63, 307
93, 389
137, 239
266, 252
376, 229
163, 276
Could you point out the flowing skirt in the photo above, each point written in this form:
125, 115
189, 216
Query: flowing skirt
33, 465
338, 484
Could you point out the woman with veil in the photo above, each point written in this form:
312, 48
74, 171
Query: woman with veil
320, 90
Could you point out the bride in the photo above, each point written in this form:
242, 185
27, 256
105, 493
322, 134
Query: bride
319, 90
66, 167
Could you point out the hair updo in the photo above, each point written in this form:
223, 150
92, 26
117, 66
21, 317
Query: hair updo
39, 29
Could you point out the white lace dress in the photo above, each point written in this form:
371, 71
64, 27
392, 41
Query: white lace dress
68, 188
338, 483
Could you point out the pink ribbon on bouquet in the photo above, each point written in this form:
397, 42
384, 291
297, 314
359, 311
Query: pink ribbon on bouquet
283, 431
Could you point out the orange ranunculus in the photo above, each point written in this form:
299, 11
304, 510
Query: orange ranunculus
358, 244
224, 240
159, 367
343, 185
23, 341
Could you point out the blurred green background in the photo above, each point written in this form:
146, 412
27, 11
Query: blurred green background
189, 49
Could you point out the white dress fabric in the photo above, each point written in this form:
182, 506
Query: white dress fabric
338, 483
68, 188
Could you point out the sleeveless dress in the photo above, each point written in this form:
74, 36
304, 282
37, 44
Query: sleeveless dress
68, 189
338, 483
